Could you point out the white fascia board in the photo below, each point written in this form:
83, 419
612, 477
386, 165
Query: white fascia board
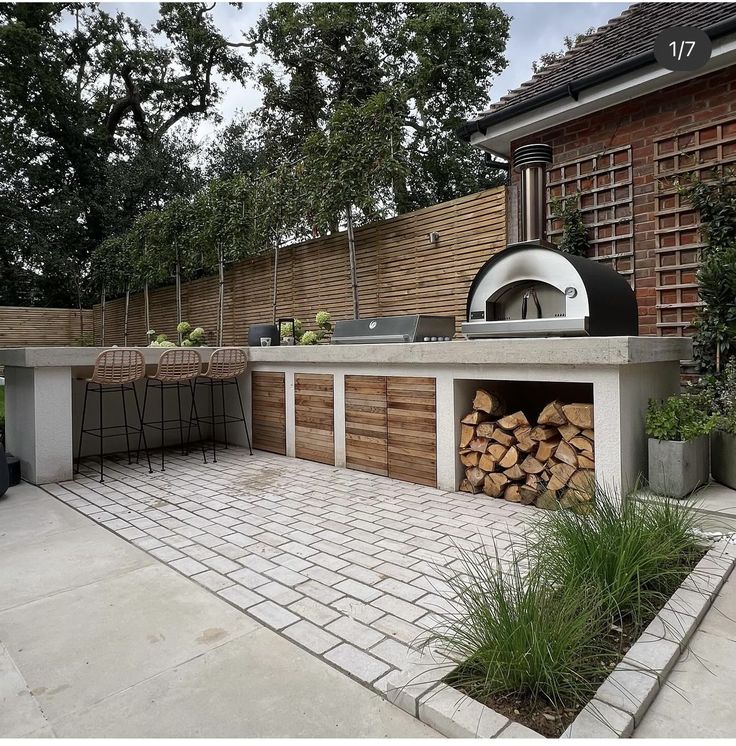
498, 137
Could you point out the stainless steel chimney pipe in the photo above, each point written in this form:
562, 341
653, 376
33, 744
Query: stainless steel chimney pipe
531, 162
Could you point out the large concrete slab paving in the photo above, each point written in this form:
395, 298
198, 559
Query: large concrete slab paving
697, 699
103, 640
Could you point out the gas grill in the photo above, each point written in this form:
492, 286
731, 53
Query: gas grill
394, 329
531, 289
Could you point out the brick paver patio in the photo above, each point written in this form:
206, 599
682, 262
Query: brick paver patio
347, 565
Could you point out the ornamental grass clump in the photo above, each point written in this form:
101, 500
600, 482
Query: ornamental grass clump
516, 635
634, 553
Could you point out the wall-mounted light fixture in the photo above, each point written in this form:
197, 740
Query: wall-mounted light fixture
433, 237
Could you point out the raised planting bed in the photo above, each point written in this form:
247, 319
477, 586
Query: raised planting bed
621, 698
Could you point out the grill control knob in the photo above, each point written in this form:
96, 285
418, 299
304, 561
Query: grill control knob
434, 339
571, 292
425, 339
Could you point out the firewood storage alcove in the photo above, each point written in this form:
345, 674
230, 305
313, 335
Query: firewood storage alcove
527, 442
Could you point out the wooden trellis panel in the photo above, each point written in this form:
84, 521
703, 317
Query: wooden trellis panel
605, 185
676, 225
314, 397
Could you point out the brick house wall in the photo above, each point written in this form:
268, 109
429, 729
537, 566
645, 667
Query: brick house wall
621, 161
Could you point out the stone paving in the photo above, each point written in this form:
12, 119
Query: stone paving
345, 564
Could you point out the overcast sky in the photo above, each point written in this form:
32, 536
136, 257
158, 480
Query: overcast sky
536, 28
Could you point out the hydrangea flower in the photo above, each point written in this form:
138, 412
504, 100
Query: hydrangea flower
308, 338
196, 333
323, 318
184, 327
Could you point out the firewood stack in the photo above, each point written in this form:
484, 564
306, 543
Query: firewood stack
550, 463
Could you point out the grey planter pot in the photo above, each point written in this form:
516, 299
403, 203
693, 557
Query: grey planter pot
723, 458
677, 467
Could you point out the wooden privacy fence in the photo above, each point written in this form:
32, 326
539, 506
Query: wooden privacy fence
42, 327
400, 271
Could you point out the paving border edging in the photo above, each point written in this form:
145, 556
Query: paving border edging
621, 700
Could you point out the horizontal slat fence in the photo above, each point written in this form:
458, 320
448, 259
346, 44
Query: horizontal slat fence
42, 327
399, 272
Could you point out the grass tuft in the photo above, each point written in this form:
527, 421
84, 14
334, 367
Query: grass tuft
515, 634
634, 553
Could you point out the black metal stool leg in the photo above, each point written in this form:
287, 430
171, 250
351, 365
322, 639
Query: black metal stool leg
143, 419
81, 428
242, 411
224, 412
181, 422
214, 431
125, 421
143, 433
102, 440
193, 410
161, 389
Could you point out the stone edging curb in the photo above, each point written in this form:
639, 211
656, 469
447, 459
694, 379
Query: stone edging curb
622, 699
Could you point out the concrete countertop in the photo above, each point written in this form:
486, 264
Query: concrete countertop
535, 351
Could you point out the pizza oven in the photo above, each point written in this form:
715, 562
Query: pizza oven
531, 289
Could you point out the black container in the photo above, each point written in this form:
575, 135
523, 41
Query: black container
257, 331
4, 475
13, 469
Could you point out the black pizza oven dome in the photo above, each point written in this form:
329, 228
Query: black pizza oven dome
530, 289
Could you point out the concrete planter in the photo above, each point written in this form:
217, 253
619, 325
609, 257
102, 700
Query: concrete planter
677, 467
723, 457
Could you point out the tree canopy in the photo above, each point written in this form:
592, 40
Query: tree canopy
88, 100
360, 102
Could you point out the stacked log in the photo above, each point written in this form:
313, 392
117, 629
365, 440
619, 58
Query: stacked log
550, 462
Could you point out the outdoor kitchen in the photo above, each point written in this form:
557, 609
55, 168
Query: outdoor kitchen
547, 391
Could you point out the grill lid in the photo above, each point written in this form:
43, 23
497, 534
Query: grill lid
393, 329
531, 289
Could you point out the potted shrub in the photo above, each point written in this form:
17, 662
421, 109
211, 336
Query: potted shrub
723, 437
679, 452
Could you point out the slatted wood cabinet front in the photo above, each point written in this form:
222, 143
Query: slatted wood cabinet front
390, 427
314, 399
269, 411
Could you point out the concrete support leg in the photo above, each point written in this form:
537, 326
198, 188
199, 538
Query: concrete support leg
38, 404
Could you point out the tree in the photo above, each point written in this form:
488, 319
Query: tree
568, 43
352, 165
88, 104
435, 60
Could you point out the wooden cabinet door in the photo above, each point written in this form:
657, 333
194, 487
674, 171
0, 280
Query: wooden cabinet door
314, 401
268, 405
366, 430
412, 429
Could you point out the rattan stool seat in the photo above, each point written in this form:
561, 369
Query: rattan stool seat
226, 362
181, 364
119, 365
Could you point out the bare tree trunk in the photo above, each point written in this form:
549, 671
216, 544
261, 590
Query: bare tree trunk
178, 294
353, 264
102, 315
220, 312
125, 323
146, 310
275, 278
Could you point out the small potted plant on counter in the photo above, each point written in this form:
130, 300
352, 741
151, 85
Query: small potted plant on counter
679, 452
723, 437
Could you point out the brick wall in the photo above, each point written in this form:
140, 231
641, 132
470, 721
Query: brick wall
629, 148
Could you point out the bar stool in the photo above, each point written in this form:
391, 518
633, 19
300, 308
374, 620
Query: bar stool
177, 368
116, 371
226, 364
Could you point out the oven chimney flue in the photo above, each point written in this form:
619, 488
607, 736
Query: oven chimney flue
531, 161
